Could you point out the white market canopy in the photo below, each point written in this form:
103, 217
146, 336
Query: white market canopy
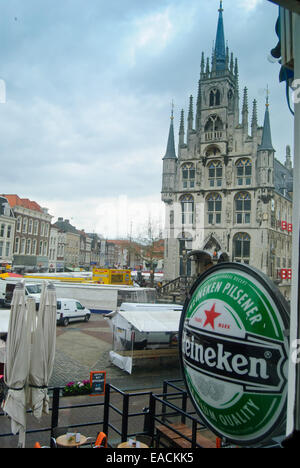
148, 321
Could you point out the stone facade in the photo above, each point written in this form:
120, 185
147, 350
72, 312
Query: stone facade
227, 197
7, 234
32, 233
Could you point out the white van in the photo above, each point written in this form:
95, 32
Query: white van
70, 310
7, 289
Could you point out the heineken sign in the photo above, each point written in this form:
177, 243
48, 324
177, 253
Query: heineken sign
234, 353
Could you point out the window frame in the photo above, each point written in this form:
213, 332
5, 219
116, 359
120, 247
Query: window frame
214, 208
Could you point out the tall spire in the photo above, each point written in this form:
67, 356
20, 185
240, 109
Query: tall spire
254, 119
266, 141
191, 114
220, 50
170, 152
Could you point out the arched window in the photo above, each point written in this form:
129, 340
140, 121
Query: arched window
230, 99
214, 208
30, 222
241, 247
213, 128
28, 246
17, 245
243, 208
188, 175
244, 171
24, 226
23, 244
215, 173
214, 123
187, 209
214, 98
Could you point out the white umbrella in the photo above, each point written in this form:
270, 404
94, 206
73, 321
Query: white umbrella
17, 362
42, 353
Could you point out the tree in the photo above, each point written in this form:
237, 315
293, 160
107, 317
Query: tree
150, 247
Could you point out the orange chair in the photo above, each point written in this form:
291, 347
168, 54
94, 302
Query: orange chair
101, 441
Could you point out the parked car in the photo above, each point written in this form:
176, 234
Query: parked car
70, 310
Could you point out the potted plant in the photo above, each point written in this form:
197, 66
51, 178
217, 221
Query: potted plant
77, 388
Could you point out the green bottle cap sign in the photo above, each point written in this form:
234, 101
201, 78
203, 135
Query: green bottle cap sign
234, 353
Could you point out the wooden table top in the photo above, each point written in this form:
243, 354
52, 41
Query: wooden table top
128, 445
64, 441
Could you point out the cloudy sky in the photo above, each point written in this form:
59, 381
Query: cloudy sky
89, 84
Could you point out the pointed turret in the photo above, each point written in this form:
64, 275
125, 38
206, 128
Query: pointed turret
191, 115
288, 159
245, 112
266, 153
220, 50
254, 120
266, 141
181, 129
169, 166
207, 68
170, 152
202, 66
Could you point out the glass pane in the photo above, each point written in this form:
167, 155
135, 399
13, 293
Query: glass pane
247, 218
248, 170
218, 218
211, 173
210, 206
247, 205
210, 218
248, 181
240, 181
219, 182
240, 171
219, 172
246, 249
239, 205
211, 182
192, 174
239, 218
218, 206
184, 174
238, 248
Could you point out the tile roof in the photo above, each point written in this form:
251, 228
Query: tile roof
15, 200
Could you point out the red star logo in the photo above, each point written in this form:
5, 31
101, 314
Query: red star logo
211, 315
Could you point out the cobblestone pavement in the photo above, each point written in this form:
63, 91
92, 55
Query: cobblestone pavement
82, 347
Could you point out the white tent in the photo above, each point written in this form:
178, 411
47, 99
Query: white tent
141, 330
148, 321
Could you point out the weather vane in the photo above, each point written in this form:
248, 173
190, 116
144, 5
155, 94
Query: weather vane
267, 96
172, 110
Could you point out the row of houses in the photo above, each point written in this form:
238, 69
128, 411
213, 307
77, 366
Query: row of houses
31, 242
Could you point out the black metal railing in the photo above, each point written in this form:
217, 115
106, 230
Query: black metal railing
163, 419
115, 416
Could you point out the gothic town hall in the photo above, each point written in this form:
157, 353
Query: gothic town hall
227, 198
